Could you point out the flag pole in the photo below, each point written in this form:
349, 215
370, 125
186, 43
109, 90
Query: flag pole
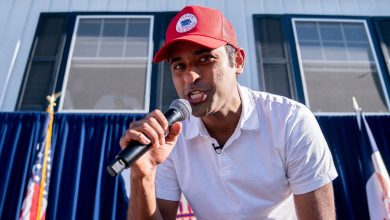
358, 111
50, 110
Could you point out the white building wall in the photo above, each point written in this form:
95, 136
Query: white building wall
19, 18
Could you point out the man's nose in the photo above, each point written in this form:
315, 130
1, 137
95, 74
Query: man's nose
192, 75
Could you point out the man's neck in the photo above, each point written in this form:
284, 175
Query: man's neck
222, 126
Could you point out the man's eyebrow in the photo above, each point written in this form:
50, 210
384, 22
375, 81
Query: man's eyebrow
174, 59
204, 50
197, 52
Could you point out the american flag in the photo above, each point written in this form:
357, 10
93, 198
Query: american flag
185, 212
376, 175
35, 203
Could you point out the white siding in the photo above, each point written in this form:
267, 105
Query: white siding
19, 18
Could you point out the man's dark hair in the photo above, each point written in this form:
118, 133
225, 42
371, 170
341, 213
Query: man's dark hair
230, 50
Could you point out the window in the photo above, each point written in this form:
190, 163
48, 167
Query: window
109, 65
323, 62
91, 58
337, 62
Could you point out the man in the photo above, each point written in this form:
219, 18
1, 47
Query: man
242, 154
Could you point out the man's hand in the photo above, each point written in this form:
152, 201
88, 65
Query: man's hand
318, 204
151, 130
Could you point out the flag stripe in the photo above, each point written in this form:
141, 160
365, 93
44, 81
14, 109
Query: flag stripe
184, 211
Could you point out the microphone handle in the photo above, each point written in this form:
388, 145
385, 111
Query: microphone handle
130, 156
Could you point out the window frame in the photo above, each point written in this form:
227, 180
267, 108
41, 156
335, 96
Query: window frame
294, 19
147, 97
288, 60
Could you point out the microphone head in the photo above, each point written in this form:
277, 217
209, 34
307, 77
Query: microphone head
182, 106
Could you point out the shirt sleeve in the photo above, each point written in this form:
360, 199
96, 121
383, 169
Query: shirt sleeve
308, 158
167, 186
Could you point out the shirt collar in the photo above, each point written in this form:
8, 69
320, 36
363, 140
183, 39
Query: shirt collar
249, 119
249, 116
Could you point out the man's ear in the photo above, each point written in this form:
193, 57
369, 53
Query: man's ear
239, 59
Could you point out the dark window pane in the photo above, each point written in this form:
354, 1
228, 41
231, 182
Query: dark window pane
114, 28
307, 31
276, 79
355, 32
89, 28
51, 37
37, 88
331, 32
139, 28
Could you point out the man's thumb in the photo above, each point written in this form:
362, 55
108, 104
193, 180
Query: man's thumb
174, 132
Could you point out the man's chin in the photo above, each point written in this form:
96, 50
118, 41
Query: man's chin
205, 112
198, 112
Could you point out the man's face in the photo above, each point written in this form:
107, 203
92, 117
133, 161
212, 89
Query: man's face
203, 77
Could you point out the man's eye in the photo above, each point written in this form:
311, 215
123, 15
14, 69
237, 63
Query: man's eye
178, 66
205, 58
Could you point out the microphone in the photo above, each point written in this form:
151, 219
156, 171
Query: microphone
179, 110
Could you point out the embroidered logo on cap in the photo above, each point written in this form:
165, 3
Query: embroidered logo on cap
186, 23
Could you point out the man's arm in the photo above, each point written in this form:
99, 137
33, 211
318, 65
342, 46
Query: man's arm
318, 204
143, 205
150, 130
168, 208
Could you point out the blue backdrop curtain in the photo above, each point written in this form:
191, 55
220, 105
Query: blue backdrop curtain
84, 144
343, 136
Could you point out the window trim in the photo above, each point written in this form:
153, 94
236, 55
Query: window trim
300, 64
385, 53
148, 66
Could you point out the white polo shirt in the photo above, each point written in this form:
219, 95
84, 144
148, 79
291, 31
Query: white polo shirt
277, 149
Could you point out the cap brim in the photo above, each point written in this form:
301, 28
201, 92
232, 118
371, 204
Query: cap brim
162, 53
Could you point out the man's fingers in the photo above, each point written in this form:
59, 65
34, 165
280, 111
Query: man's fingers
153, 132
174, 132
160, 117
132, 135
153, 123
151, 129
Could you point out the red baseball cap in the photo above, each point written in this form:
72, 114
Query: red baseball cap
205, 26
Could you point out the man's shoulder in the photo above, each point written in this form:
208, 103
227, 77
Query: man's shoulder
276, 108
271, 100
